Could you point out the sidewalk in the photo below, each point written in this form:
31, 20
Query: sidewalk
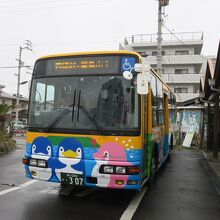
213, 169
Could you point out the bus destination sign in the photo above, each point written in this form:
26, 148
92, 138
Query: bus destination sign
85, 64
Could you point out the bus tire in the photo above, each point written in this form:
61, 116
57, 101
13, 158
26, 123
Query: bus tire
169, 154
170, 148
171, 142
154, 166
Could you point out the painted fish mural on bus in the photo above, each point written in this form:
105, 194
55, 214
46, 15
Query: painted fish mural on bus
70, 154
109, 154
82, 156
41, 148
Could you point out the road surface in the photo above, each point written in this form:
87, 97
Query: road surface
182, 190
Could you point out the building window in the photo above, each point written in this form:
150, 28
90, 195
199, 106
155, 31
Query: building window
182, 52
180, 90
181, 71
154, 53
196, 88
3, 101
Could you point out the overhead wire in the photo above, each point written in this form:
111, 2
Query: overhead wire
183, 43
63, 5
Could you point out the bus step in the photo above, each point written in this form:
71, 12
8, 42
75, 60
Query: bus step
66, 190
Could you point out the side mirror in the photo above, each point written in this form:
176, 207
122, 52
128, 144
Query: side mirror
142, 83
127, 75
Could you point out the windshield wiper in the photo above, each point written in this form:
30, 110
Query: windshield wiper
60, 116
89, 117
74, 100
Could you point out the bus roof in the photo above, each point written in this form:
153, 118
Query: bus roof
90, 53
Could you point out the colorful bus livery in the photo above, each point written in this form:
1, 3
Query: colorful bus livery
88, 126
111, 156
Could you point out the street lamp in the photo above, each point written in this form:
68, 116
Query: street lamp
20, 65
24, 82
164, 2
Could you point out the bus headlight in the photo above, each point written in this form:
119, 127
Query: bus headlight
121, 170
33, 162
38, 163
108, 169
41, 163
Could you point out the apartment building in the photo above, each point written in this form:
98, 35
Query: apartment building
181, 59
6, 98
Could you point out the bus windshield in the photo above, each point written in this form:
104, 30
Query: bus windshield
107, 103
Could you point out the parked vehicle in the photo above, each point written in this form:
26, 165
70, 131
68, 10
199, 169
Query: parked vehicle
18, 125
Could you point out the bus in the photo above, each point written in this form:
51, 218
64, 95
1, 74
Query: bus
89, 126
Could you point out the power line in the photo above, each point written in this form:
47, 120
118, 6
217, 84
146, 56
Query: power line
181, 40
11, 67
30, 9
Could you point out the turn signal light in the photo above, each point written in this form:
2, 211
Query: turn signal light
133, 170
25, 161
132, 182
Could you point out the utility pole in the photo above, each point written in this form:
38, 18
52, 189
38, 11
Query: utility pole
28, 46
161, 3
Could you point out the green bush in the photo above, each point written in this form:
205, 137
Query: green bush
6, 143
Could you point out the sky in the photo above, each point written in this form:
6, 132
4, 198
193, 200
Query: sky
62, 26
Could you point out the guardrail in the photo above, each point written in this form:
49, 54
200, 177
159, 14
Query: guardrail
150, 38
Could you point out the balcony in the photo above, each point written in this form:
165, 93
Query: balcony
182, 97
178, 60
181, 78
139, 41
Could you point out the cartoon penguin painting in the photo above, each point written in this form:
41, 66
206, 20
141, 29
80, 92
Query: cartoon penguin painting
41, 148
109, 153
70, 153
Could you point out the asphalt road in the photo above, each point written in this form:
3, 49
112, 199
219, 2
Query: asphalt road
182, 190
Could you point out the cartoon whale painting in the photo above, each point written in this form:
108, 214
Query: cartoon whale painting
41, 148
110, 153
70, 154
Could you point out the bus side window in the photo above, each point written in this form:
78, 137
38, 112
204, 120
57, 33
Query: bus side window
160, 104
170, 107
154, 101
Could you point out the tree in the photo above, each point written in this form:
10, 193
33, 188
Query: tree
4, 109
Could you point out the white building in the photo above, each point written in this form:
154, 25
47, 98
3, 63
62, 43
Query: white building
181, 59
6, 98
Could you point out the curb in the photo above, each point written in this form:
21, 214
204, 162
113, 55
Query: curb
212, 175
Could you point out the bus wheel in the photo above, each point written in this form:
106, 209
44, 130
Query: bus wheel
154, 166
169, 154
170, 148
171, 142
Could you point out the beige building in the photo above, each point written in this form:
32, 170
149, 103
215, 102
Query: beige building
182, 61
6, 98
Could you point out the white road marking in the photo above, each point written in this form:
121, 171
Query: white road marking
50, 190
18, 187
132, 207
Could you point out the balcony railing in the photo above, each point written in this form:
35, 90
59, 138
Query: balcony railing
167, 37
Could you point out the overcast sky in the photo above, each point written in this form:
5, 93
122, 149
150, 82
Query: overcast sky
60, 26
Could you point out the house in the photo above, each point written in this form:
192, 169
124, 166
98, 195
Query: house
6, 98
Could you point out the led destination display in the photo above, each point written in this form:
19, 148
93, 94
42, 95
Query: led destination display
78, 65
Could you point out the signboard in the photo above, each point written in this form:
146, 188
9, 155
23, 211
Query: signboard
189, 135
100, 64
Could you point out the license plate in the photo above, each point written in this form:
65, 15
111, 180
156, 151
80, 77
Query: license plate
72, 179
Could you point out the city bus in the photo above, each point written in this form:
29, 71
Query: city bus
89, 126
